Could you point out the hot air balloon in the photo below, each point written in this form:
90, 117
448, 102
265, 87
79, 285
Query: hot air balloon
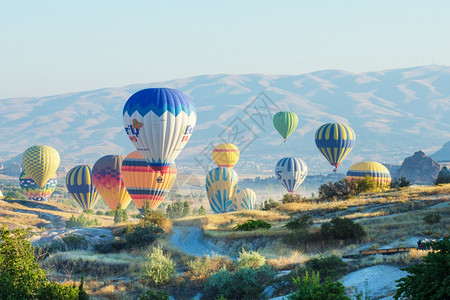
379, 173
159, 122
335, 141
285, 123
107, 179
225, 155
221, 186
1, 195
142, 182
34, 192
80, 186
40, 163
291, 172
244, 200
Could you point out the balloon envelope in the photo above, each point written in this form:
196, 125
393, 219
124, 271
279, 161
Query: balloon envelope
225, 155
285, 123
80, 185
107, 179
159, 122
335, 141
35, 192
40, 163
221, 186
244, 200
378, 172
291, 172
142, 182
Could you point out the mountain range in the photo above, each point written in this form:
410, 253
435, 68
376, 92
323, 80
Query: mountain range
394, 113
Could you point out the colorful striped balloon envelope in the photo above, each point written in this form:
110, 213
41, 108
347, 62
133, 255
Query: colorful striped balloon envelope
378, 172
144, 183
35, 192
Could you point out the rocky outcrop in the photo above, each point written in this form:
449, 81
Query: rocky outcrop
419, 169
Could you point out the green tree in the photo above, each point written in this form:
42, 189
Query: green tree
429, 279
443, 176
202, 211
121, 215
291, 198
158, 268
342, 228
309, 288
400, 182
186, 209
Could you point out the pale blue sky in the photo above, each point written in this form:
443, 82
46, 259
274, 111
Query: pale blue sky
54, 47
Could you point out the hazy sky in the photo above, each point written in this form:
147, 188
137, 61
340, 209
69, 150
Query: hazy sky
54, 47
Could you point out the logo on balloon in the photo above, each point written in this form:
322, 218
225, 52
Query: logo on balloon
137, 125
187, 131
133, 130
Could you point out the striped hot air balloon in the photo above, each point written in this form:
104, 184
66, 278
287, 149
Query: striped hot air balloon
159, 122
34, 192
107, 179
244, 200
40, 163
291, 172
378, 172
143, 183
335, 141
285, 123
221, 186
80, 186
225, 155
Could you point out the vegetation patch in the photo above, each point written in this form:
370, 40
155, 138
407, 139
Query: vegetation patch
253, 225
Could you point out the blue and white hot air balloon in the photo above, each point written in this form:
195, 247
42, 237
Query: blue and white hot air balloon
221, 186
159, 122
291, 172
244, 200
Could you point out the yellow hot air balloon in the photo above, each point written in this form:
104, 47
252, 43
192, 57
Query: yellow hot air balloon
108, 181
225, 155
143, 182
40, 163
379, 173
221, 186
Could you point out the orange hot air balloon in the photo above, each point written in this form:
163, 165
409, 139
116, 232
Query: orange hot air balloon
143, 182
107, 179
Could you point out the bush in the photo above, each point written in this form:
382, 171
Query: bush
337, 190
154, 295
120, 215
88, 211
75, 242
443, 176
253, 225
291, 198
202, 267
400, 182
81, 221
99, 213
241, 284
158, 267
329, 266
342, 228
432, 218
304, 222
270, 204
250, 260
178, 210
309, 288
110, 213
429, 279
155, 218
20, 275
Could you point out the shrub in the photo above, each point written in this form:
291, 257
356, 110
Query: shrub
329, 266
400, 182
155, 218
429, 279
291, 198
432, 218
251, 260
241, 284
443, 176
304, 222
81, 221
253, 225
158, 267
120, 215
75, 242
154, 295
20, 275
202, 267
110, 213
178, 209
88, 211
99, 213
309, 288
270, 204
342, 228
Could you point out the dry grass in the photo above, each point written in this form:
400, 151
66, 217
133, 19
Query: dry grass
287, 262
414, 256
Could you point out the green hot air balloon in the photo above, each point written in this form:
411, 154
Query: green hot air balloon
285, 123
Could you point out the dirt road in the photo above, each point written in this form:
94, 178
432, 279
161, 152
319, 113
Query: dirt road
191, 240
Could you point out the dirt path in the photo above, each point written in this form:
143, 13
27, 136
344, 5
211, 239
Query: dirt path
190, 240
